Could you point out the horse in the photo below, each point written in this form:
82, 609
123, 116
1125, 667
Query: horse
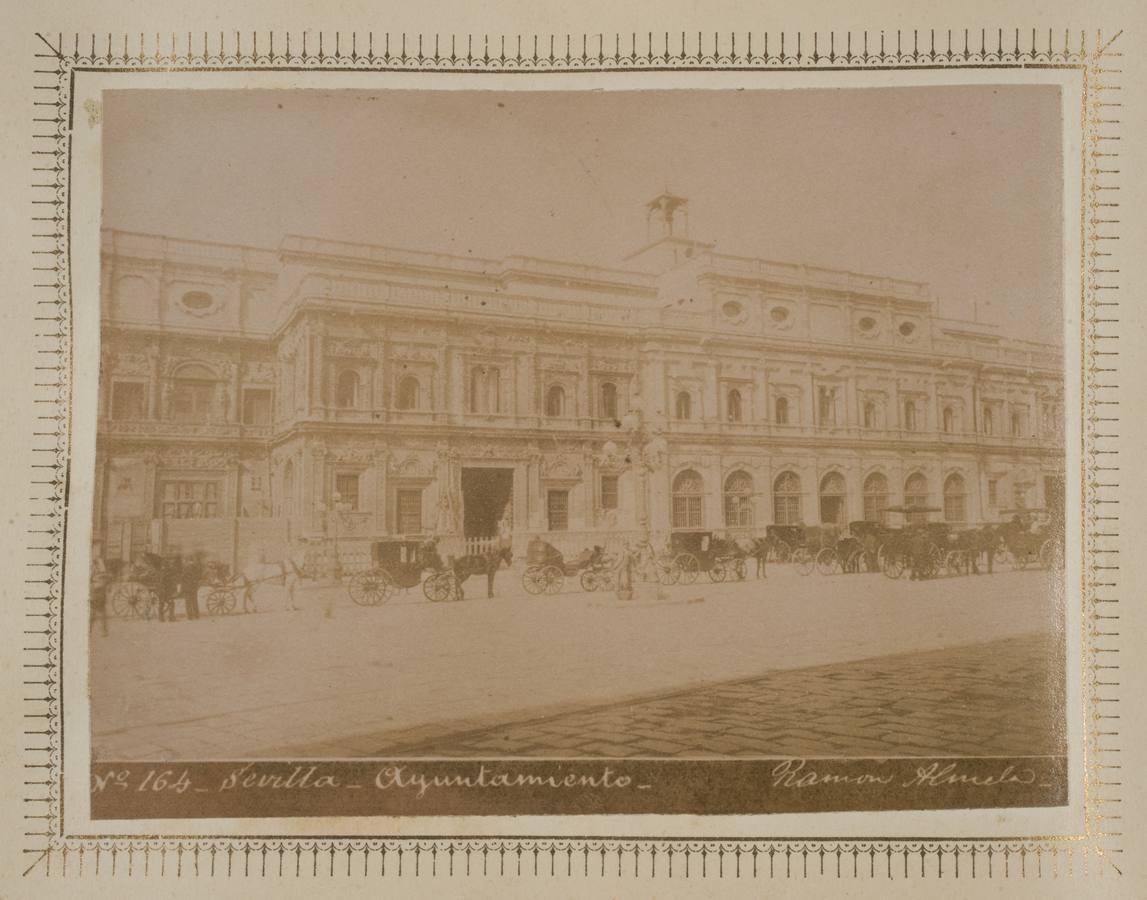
759, 550
487, 563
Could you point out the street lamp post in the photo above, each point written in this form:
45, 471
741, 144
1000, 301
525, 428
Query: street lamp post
340, 508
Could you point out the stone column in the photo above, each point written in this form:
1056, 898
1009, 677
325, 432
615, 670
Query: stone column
380, 505
153, 384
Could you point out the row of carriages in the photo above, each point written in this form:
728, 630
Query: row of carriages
864, 547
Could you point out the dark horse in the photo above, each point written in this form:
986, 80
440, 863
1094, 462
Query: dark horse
485, 563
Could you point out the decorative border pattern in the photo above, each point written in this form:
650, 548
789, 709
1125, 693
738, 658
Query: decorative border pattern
49, 851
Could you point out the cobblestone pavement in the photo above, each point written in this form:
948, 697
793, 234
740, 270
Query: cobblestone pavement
992, 699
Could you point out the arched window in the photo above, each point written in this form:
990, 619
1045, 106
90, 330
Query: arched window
949, 420
832, 499
733, 406
684, 406
875, 498
989, 425
289, 488
608, 400
346, 389
787, 499
407, 393
782, 411
193, 393
869, 414
955, 505
739, 500
916, 494
688, 491
909, 415
555, 401
485, 389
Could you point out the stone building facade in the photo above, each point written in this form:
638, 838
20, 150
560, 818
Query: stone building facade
343, 393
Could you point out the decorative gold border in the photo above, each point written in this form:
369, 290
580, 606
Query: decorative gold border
58, 59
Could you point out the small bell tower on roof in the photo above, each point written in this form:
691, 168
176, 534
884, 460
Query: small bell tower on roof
667, 240
666, 216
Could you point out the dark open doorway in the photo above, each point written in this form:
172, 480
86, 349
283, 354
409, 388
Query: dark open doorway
486, 493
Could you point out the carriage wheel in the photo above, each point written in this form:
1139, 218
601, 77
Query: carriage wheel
894, 566
553, 579
532, 580
668, 572
370, 588
804, 561
781, 552
687, 567
827, 562
718, 572
437, 587
588, 580
127, 600
220, 602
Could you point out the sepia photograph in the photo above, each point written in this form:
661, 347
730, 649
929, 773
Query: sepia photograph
701, 449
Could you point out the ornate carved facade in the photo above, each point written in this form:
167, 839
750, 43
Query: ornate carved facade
332, 388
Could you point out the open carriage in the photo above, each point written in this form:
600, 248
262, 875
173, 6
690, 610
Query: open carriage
400, 565
547, 569
134, 590
702, 551
1028, 538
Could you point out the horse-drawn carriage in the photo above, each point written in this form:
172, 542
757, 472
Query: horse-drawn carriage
694, 552
1029, 538
399, 565
134, 590
547, 569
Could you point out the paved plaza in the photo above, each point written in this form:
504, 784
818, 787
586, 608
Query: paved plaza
818, 665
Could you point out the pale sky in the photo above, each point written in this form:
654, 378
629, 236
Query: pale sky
956, 186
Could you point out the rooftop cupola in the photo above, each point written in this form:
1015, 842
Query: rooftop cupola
666, 215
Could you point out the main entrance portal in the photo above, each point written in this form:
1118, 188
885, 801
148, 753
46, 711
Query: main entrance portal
486, 496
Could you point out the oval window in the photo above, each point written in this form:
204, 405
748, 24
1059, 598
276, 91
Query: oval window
196, 300
907, 328
779, 314
867, 324
732, 309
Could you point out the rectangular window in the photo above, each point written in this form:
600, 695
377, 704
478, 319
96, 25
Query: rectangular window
128, 400
256, 406
787, 509
558, 510
993, 492
189, 499
826, 408
346, 486
609, 492
687, 511
191, 401
410, 511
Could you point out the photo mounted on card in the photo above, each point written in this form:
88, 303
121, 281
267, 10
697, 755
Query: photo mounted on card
457, 442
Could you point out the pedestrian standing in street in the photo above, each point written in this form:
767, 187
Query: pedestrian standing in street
294, 567
191, 577
918, 552
168, 588
988, 544
98, 594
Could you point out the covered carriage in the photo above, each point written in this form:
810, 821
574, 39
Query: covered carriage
694, 552
399, 565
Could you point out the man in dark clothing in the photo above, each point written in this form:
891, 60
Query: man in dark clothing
191, 578
168, 587
918, 549
988, 543
98, 595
